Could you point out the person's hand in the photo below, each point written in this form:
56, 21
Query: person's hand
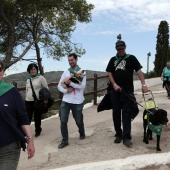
30, 149
144, 89
70, 89
68, 82
45, 101
116, 87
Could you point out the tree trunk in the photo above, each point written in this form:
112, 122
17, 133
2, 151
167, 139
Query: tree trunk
39, 59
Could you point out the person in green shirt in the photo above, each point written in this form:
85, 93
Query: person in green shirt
165, 76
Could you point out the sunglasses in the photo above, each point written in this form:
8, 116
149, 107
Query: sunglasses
120, 49
1, 69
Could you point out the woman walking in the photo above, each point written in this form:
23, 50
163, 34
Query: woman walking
38, 82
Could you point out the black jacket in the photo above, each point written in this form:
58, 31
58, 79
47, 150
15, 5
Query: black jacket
44, 93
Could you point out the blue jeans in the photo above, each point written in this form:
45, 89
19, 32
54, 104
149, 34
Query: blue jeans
9, 156
77, 115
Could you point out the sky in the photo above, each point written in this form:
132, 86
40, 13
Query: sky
136, 20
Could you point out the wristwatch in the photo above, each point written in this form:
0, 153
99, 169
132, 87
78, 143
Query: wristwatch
28, 138
144, 85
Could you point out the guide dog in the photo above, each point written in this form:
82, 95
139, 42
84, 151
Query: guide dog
156, 117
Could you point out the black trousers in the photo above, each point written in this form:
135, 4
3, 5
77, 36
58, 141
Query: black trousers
167, 87
122, 107
9, 156
37, 115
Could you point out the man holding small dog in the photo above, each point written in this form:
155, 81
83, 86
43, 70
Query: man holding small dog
120, 72
72, 100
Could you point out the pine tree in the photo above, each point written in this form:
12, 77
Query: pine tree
168, 58
162, 47
40, 25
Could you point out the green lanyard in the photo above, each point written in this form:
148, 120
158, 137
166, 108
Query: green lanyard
119, 59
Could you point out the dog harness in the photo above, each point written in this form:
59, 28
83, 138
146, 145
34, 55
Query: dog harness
157, 129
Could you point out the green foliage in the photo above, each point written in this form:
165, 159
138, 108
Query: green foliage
88, 99
151, 74
162, 47
47, 24
168, 58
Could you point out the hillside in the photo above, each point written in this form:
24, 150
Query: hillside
54, 76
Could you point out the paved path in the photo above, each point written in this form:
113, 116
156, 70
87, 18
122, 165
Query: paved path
98, 145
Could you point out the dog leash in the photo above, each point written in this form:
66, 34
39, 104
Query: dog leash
130, 96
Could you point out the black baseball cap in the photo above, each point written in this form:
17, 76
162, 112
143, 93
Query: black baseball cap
120, 44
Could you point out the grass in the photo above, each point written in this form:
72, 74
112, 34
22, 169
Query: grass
55, 108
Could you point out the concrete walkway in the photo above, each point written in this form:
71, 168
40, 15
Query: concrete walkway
98, 145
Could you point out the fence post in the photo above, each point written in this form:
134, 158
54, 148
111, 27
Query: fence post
95, 90
60, 97
14, 83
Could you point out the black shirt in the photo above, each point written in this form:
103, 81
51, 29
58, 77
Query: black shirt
12, 116
123, 73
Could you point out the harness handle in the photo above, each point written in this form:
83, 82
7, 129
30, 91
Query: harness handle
131, 98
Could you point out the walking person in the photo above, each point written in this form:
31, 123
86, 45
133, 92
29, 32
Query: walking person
15, 131
38, 82
72, 100
165, 76
120, 72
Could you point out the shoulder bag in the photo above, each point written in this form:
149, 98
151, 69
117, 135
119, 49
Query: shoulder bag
39, 105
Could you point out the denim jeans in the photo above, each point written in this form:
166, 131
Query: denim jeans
9, 156
77, 115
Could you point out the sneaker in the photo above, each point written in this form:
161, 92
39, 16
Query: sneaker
37, 134
62, 145
118, 139
127, 142
82, 137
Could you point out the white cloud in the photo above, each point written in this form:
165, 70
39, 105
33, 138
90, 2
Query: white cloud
141, 15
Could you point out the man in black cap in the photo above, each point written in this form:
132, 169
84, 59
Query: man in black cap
120, 71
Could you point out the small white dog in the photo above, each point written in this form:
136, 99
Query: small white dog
75, 78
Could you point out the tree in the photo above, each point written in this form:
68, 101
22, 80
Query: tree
9, 20
162, 47
48, 24
168, 58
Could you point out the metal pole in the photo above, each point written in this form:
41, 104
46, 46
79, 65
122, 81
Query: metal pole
149, 54
147, 65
